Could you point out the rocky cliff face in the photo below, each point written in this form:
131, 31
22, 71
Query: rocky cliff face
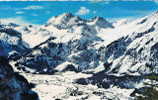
12, 85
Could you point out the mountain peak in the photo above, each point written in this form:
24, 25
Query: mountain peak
101, 22
64, 20
155, 13
67, 15
97, 18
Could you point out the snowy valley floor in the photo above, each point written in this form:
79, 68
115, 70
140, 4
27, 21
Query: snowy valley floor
62, 87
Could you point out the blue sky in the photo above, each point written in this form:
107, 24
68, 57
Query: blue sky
39, 12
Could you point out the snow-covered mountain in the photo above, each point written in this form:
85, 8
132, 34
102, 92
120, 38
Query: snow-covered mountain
131, 61
67, 20
75, 41
11, 40
135, 53
121, 54
84, 43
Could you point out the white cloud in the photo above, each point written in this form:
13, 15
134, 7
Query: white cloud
19, 12
82, 11
16, 20
48, 12
33, 7
156, 1
94, 12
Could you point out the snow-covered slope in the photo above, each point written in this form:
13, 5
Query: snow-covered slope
11, 40
135, 53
